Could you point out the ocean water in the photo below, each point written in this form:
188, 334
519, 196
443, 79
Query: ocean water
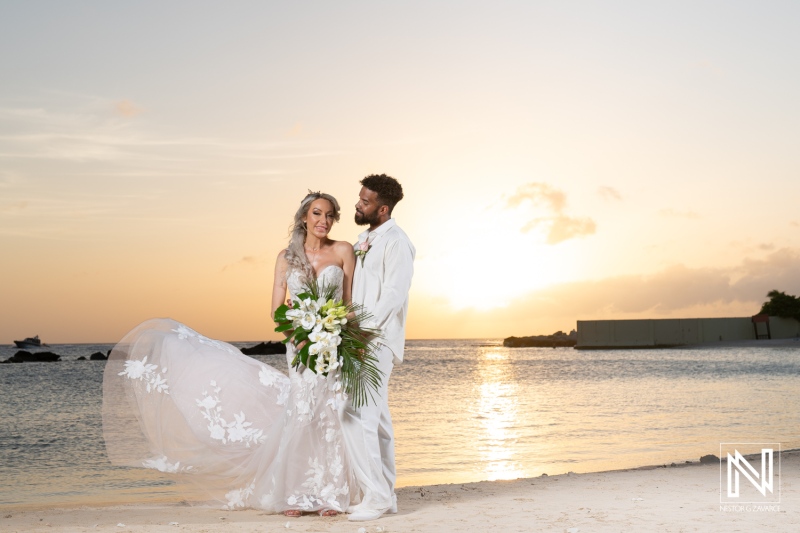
463, 410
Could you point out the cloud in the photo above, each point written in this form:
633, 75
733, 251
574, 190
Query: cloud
691, 215
126, 108
7, 179
680, 287
609, 193
296, 131
561, 228
85, 135
558, 226
14, 206
246, 261
767, 246
539, 194
678, 291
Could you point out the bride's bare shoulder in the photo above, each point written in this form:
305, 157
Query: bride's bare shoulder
281, 259
342, 248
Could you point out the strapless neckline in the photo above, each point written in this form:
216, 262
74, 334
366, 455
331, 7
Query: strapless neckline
330, 276
321, 272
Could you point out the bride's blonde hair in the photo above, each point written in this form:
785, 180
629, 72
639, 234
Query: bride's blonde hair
296, 252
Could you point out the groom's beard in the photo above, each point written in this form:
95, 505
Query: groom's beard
364, 220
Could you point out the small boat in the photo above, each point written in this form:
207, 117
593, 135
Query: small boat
31, 342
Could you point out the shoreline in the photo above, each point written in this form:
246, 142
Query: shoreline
168, 501
648, 498
743, 343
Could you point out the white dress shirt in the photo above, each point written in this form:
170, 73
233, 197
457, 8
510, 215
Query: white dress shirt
382, 280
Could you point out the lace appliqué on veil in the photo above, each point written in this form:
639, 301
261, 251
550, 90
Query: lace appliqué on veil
238, 430
162, 464
154, 381
185, 332
239, 497
270, 379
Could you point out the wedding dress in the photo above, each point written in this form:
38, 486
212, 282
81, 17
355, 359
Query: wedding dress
247, 434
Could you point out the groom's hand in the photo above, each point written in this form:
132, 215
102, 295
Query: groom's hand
370, 336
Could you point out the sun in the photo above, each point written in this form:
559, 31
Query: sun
489, 265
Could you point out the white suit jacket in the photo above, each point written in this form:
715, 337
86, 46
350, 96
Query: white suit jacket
381, 283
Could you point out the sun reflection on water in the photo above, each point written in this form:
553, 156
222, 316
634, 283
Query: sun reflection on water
497, 413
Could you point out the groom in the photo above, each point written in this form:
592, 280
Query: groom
384, 266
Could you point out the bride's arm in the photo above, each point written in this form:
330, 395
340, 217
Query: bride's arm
345, 251
279, 283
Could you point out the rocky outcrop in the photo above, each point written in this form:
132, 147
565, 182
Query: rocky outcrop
265, 348
27, 357
97, 356
556, 340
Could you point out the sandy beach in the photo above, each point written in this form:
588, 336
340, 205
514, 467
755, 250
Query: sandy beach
679, 498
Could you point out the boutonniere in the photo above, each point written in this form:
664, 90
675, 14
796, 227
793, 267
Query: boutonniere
362, 249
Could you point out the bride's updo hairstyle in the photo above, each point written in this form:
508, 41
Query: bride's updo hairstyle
296, 252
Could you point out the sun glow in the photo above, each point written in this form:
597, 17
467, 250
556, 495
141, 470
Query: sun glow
492, 247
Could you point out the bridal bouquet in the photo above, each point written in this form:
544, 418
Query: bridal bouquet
330, 341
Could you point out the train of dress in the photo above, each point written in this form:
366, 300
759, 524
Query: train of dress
246, 434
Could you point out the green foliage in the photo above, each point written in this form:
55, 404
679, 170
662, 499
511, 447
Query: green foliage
358, 371
782, 305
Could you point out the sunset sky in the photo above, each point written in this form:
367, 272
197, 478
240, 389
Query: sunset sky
562, 161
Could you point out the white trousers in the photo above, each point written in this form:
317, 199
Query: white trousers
369, 439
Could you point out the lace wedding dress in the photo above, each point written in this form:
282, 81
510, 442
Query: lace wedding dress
247, 434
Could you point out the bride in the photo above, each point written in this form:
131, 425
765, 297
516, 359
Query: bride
245, 433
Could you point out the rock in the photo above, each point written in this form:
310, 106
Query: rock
39, 357
97, 356
558, 339
265, 348
81, 358
709, 459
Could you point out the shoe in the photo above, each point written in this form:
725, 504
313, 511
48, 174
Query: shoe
363, 515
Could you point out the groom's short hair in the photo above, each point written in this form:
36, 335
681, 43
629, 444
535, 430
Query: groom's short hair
387, 188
